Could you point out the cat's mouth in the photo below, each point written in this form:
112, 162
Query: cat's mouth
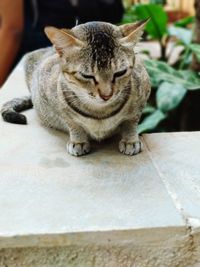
99, 109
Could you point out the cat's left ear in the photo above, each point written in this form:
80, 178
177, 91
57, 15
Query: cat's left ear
62, 39
132, 32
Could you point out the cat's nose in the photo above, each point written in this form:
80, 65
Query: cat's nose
105, 97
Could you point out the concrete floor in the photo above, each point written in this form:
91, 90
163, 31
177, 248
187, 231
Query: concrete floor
104, 209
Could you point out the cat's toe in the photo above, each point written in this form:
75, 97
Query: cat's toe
78, 149
130, 148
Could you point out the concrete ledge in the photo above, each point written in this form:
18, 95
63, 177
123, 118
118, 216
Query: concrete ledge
140, 254
104, 209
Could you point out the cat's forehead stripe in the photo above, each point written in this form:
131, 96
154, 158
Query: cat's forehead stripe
101, 44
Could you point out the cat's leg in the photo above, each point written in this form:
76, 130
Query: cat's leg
130, 143
78, 144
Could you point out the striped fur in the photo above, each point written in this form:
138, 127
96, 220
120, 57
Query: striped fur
90, 85
10, 110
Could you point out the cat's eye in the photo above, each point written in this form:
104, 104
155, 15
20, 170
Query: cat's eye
88, 77
119, 74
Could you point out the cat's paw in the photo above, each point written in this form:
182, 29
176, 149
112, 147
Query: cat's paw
78, 149
130, 148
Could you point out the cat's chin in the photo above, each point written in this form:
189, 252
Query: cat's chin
101, 103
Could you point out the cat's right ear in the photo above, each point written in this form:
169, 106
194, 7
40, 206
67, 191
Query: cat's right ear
62, 39
132, 32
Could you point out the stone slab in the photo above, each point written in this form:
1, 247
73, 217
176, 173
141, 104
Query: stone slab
44, 191
176, 157
101, 210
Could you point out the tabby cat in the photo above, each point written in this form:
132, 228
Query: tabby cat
90, 84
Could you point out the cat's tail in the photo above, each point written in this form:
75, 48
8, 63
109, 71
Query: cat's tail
10, 110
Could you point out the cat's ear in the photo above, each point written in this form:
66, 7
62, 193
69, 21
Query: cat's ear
62, 39
132, 32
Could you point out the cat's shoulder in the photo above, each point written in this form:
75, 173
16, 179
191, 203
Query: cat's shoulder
139, 64
141, 77
37, 56
38, 61
139, 68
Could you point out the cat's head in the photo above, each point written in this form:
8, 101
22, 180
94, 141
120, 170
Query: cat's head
97, 58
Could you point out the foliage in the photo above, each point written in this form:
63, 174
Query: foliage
168, 96
170, 83
160, 2
182, 34
195, 48
150, 122
171, 86
160, 71
184, 22
157, 26
129, 15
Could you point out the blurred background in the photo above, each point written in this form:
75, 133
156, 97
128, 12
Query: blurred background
180, 7
171, 50
170, 47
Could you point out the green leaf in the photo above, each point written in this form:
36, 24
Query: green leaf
184, 35
169, 95
158, 2
129, 15
157, 26
185, 21
195, 49
160, 71
148, 109
151, 121
185, 59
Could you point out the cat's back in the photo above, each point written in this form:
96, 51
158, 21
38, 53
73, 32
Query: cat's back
33, 60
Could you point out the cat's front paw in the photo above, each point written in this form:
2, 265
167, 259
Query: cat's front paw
130, 148
78, 149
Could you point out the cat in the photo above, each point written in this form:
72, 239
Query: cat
90, 84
